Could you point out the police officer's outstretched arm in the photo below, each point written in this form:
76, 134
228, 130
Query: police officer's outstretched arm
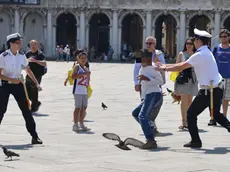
3, 77
30, 73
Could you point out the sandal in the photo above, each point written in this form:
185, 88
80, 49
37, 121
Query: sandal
184, 125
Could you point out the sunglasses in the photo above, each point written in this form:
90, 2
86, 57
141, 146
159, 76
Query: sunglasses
223, 36
149, 43
189, 43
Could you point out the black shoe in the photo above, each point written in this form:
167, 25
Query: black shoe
36, 141
36, 108
212, 122
191, 144
150, 144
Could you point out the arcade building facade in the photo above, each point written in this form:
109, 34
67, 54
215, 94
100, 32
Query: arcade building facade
104, 23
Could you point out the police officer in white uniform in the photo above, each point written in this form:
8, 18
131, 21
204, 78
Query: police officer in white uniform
12, 61
206, 70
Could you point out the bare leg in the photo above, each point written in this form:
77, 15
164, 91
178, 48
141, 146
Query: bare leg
82, 115
75, 115
225, 107
184, 107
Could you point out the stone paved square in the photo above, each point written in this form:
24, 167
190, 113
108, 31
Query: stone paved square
66, 151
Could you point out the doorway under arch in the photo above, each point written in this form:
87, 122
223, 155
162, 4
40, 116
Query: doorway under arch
66, 30
132, 32
165, 34
99, 33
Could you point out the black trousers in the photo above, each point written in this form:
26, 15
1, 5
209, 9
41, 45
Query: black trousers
33, 91
17, 90
199, 104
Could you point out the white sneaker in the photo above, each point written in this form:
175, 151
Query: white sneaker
76, 127
84, 128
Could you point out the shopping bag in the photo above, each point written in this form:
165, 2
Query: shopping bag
173, 76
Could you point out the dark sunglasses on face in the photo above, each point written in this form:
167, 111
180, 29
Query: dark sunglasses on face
149, 43
189, 43
223, 36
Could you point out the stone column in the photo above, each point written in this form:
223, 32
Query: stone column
179, 42
148, 22
87, 37
54, 40
187, 31
181, 33
216, 28
144, 36
119, 40
78, 36
110, 34
44, 39
116, 36
16, 21
82, 29
153, 31
49, 45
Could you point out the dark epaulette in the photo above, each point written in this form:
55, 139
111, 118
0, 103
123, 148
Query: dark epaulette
22, 53
5, 54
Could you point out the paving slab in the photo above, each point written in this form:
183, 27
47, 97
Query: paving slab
66, 151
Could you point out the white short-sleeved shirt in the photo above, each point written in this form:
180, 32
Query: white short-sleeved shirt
12, 65
205, 66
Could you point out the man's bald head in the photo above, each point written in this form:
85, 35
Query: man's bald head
150, 43
34, 45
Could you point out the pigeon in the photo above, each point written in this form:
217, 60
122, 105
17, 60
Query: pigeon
123, 144
176, 97
103, 106
9, 154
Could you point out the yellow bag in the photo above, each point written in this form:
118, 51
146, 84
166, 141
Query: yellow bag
173, 76
70, 80
90, 91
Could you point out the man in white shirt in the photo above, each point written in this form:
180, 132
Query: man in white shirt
156, 56
206, 71
67, 53
151, 96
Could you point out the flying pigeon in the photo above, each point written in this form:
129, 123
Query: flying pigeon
9, 154
103, 106
123, 144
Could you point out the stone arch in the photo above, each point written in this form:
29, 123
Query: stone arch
224, 20
55, 17
200, 14
24, 15
100, 12
165, 25
165, 13
193, 16
6, 26
33, 27
121, 18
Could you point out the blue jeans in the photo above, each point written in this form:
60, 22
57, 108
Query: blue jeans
142, 113
67, 57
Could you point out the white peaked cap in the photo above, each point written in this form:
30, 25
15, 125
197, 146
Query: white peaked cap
14, 36
202, 33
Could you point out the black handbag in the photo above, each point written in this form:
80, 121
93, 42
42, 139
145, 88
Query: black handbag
184, 76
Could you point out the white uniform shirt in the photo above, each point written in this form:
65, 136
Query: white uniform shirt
12, 65
205, 67
151, 86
